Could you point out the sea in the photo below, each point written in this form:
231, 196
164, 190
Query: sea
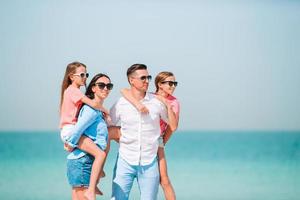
208, 165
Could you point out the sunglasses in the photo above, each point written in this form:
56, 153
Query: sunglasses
82, 75
171, 83
109, 86
143, 78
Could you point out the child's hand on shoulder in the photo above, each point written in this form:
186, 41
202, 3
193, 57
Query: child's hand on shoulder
142, 108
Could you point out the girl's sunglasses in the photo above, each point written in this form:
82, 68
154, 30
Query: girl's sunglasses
109, 86
171, 83
82, 75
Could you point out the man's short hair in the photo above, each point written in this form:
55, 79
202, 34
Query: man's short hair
135, 67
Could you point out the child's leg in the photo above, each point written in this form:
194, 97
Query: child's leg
87, 145
164, 178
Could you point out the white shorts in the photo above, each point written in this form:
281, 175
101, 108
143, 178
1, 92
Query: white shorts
66, 132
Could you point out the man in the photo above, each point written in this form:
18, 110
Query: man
139, 138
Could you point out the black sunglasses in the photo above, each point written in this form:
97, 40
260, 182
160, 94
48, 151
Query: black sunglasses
171, 83
143, 78
82, 75
108, 86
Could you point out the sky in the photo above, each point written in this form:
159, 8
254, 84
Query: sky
237, 62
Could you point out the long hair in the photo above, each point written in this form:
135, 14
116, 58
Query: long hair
71, 69
89, 92
161, 77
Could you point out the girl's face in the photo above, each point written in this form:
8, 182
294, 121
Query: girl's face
102, 87
168, 85
79, 77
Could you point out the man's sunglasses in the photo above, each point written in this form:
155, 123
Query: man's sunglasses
108, 86
82, 75
143, 78
171, 83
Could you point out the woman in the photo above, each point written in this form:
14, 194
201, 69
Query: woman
91, 123
165, 85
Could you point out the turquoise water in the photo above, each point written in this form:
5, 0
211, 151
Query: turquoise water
202, 165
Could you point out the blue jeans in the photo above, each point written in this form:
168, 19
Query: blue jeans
124, 175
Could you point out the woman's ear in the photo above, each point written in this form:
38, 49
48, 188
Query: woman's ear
94, 88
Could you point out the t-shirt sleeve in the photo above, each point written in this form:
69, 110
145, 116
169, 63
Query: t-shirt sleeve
77, 95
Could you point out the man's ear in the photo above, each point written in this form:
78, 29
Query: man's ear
130, 80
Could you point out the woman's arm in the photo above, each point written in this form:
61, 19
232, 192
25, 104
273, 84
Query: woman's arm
139, 106
93, 104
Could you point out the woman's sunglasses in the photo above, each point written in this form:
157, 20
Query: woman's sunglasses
108, 86
82, 75
171, 83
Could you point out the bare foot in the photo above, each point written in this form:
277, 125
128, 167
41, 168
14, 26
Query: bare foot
98, 191
89, 195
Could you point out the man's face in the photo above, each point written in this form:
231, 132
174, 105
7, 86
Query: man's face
140, 80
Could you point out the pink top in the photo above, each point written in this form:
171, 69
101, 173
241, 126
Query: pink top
176, 108
70, 105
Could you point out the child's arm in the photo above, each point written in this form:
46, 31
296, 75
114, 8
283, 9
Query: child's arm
172, 118
167, 135
93, 104
84, 121
139, 106
168, 131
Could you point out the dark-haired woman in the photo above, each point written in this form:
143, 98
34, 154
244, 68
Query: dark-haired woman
86, 162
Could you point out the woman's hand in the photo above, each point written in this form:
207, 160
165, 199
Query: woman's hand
68, 147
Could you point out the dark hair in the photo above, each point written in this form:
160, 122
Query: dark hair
133, 68
89, 92
71, 69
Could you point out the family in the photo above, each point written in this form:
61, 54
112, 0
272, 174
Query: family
141, 122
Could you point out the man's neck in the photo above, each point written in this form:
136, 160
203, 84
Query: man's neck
137, 94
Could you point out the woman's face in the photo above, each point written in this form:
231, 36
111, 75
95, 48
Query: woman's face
80, 76
102, 87
168, 85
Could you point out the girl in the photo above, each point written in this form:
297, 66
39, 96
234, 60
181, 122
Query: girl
71, 100
165, 85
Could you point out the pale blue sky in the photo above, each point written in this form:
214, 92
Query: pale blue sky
237, 62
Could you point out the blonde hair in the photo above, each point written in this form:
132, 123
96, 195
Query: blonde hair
161, 77
71, 69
